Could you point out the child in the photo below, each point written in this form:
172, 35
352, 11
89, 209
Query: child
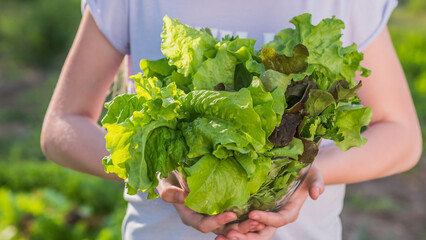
112, 30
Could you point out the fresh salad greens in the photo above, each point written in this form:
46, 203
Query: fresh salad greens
239, 124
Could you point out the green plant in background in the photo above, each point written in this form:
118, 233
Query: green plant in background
37, 32
66, 203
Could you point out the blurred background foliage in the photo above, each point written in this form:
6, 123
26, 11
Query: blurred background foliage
40, 200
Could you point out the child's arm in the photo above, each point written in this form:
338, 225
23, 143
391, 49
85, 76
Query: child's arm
394, 137
71, 136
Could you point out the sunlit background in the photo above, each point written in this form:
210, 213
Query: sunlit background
40, 200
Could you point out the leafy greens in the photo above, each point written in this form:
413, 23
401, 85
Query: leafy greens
237, 123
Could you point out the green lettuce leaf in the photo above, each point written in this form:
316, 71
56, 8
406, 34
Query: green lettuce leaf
317, 102
202, 137
159, 102
185, 46
328, 60
263, 105
292, 150
342, 124
256, 167
216, 185
350, 119
234, 107
272, 79
132, 160
121, 108
158, 68
341, 90
213, 71
242, 77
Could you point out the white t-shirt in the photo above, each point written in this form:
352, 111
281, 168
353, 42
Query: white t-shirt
133, 27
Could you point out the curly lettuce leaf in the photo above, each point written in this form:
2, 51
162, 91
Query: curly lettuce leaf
159, 101
350, 119
341, 123
132, 135
130, 158
293, 150
328, 60
185, 46
121, 108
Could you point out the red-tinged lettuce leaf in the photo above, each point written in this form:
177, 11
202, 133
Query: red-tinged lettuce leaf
310, 151
296, 63
341, 90
317, 102
295, 91
284, 133
222, 87
300, 105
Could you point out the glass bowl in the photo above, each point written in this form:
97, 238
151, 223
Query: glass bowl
275, 201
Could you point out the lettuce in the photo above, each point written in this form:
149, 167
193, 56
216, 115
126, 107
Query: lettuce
328, 60
185, 46
237, 123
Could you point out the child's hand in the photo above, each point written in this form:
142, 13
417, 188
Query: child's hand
312, 186
170, 190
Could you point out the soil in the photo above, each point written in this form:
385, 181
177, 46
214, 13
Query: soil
388, 208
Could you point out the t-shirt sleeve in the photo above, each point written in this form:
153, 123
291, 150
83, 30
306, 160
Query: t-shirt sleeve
113, 21
368, 18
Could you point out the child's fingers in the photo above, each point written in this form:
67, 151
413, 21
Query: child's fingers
315, 183
170, 191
